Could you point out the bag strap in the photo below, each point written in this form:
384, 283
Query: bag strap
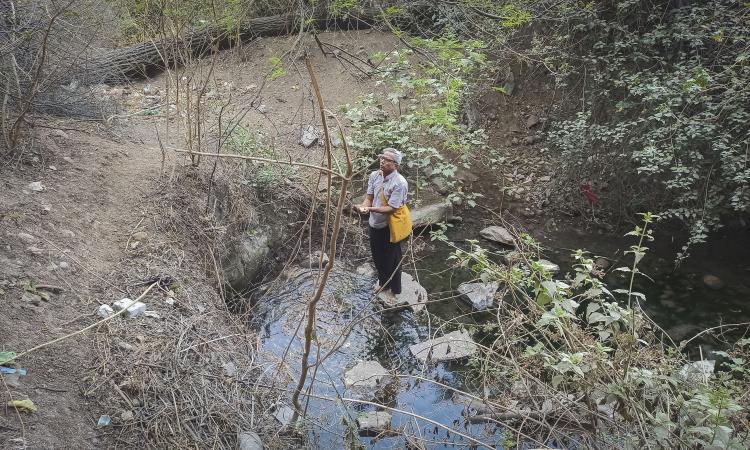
382, 191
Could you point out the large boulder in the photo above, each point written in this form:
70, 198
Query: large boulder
243, 264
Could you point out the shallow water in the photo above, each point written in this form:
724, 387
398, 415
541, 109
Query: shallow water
382, 337
677, 300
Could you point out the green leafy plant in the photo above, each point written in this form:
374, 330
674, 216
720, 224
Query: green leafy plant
277, 68
592, 354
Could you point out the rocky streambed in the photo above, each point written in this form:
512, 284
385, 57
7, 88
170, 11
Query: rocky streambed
388, 375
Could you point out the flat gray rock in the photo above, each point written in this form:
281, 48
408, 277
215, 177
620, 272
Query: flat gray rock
374, 421
366, 374
431, 213
480, 295
454, 345
498, 234
412, 295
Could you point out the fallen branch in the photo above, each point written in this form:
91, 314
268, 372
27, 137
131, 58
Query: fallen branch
272, 161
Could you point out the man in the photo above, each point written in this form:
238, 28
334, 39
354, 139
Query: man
385, 254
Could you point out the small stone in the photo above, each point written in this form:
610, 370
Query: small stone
68, 234
498, 234
602, 263
251, 87
36, 251
125, 346
64, 265
36, 186
713, 282
105, 311
283, 414
374, 421
26, 237
529, 140
441, 185
140, 236
309, 136
46, 209
545, 178
549, 266
152, 314
315, 259
480, 295
169, 301
230, 369
59, 133
134, 309
127, 416
532, 121
68, 159
366, 269
249, 440
697, 370
52, 168
262, 109
150, 89
32, 298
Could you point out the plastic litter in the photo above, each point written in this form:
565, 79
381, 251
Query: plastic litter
23, 405
104, 421
12, 370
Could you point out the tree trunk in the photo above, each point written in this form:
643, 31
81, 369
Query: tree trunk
149, 58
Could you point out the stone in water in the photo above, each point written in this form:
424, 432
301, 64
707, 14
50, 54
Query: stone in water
480, 295
454, 345
366, 374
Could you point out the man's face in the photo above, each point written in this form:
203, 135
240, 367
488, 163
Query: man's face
387, 162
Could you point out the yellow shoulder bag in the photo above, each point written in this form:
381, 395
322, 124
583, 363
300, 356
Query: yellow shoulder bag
399, 222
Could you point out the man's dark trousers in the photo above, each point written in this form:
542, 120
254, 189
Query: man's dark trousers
387, 258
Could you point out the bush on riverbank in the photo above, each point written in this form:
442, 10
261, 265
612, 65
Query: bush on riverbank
571, 362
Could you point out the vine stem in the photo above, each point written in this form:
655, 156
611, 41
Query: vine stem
311, 305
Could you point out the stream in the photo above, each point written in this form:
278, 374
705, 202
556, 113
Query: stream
677, 299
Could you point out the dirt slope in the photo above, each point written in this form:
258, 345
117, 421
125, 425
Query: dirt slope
71, 235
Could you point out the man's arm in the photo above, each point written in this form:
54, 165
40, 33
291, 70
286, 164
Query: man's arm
366, 206
382, 209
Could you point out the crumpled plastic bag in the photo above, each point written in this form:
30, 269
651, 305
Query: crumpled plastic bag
23, 405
